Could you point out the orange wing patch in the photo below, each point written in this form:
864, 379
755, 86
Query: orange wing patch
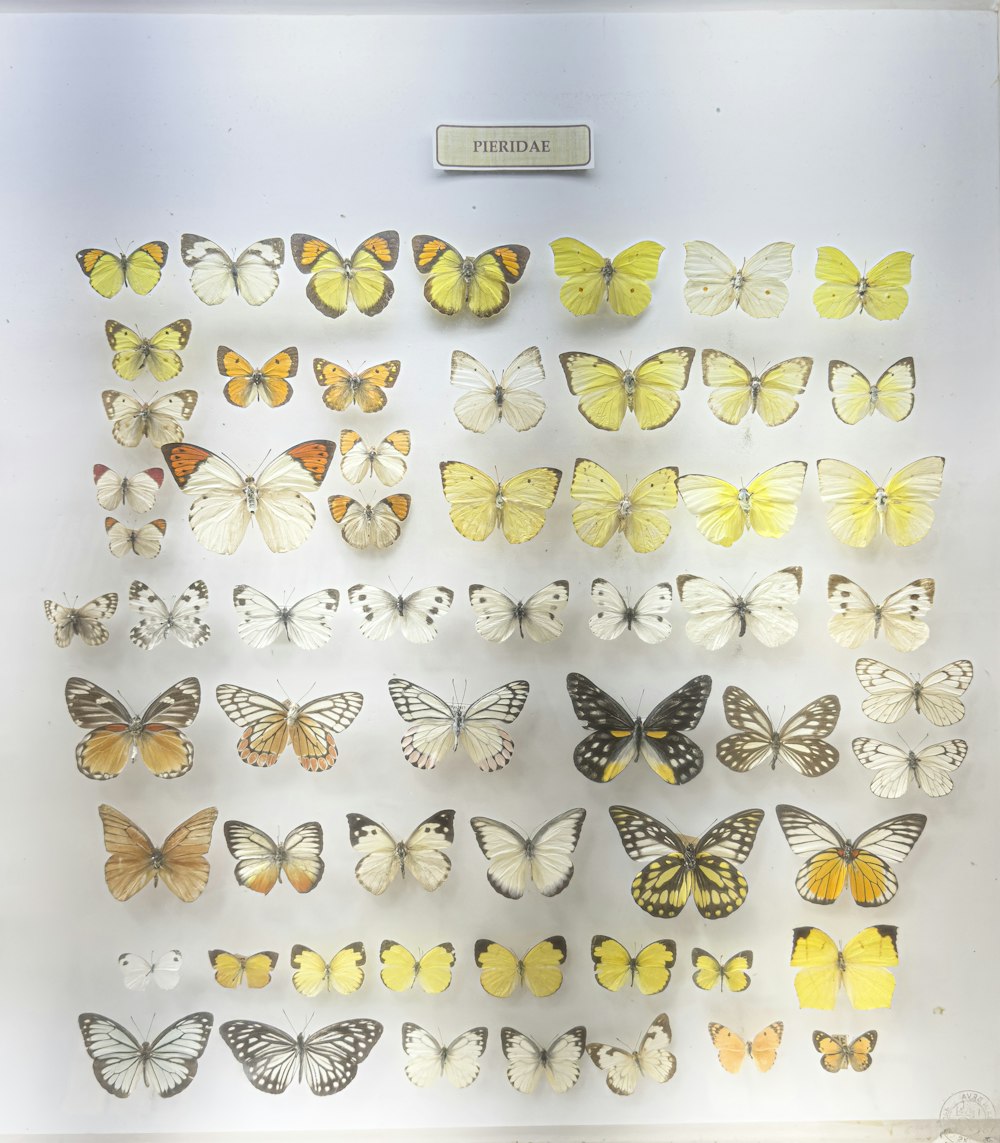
315, 457
339, 506
399, 502
88, 259
307, 250
183, 460
348, 439
512, 260
384, 247
427, 250
157, 251
400, 441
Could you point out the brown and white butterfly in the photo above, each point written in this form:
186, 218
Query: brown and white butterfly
179, 862
800, 742
158, 420
891, 692
899, 617
84, 620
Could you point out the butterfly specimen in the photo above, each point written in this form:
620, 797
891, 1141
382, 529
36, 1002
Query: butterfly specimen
84, 620
859, 509
836, 1053
891, 693
711, 973
651, 1058
843, 288
414, 616
365, 525
144, 541
327, 1061
342, 387
607, 393
268, 384
498, 616
115, 736
260, 860
862, 966
646, 618
305, 623
428, 1060
158, 353
735, 391
478, 504
439, 726
314, 974
855, 397
836, 862
683, 866
618, 738
767, 505
718, 614
179, 862
591, 278
401, 969
215, 275
271, 725
757, 287
455, 283
488, 401
930, 767
734, 1050
899, 617
232, 969
158, 420
544, 859
386, 461
539, 969
335, 279
638, 511
800, 742
182, 619
139, 270
421, 856
137, 972
167, 1064
137, 493
648, 970
528, 1061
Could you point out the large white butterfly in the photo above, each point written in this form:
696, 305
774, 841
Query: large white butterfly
158, 420
365, 525
427, 1059
182, 620
544, 859
891, 692
144, 541
216, 274
718, 614
421, 856
440, 726
652, 1059
167, 1064
84, 620
137, 493
386, 461
306, 624
800, 742
930, 767
714, 282
646, 618
498, 616
226, 500
137, 972
415, 615
511, 399
528, 1061
899, 617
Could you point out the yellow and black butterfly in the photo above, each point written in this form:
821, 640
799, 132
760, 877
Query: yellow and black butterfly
232, 969
360, 278
108, 272
648, 970
314, 974
480, 285
862, 966
539, 970
158, 353
366, 389
732, 973
835, 1053
268, 384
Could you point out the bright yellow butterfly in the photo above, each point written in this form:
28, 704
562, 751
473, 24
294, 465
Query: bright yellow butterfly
860, 509
314, 974
479, 504
246, 384
231, 969
843, 288
605, 508
768, 505
157, 353
366, 389
734, 1050
862, 967
836, 1053
735, 391
502, 972
140, 270
478, 284
649, 970
335, 278
590, 277
732, 973
607, 393
400, 968
855, 397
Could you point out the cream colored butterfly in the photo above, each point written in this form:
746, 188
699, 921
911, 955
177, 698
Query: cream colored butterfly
860, 509
714, 282
652, 1059
138, 492
937, 696
528, 1061
616, 613
718, 614
604, 508
367, 525
215, 275
734, 391
428, 1059
607, 392
511, 399
899, 617
386, 461
930, 767
144, 541
855, 397
159, 420
768, 505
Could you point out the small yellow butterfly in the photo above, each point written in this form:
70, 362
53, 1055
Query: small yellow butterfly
768, 505
232, 969
360, 278
735, 391
314, 974
861, 966
855, 397
401, 969
648, 970
480, 285
157, 353
843, 288
604, 508
107, 272
710, 972
539, 970
860, 509
478, 504
607, 393
591, 278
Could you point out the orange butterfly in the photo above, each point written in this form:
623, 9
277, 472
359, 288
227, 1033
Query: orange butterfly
179, 862
366, 389
269, 383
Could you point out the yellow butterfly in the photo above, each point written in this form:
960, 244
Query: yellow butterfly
366, 389
502, 973
335, 278
855, 397
231, 969
140, 270
862, 967
836, 1053
478, 284
268, 384
590, 277
605, 508
401, 968
607, 393
732, 973
768, 505
843, 288
734, 1050
314, 974
860, 509
735, 391
649, 970
479, 504
157, 353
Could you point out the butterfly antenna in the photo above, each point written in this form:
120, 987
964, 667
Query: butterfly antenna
259, 466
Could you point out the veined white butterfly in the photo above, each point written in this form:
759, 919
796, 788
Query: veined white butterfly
646, 618
544, 859
182, 620
930, 767
487, 401
306, 623
718, 614
652, 1058
528, 1061
855, 397
899, 617
84, 620
144, 541
137, 972
421, 856
414, 615
498, 616
365, 525
428, 1060
137, 493
891, 693
386, 461
158, 420
216, 274
714, 282
167, 1064
261, 861
800, 742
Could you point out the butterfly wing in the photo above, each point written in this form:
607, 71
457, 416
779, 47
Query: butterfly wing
479, 407
657, 382
868, 957
838, 294
763, 291
909, 495
522, 408
729, 385
763, 1048
885, 298
710, 287
891, 693
487, 744
646, 524
774, 496
852, 515
731, 1048
612, 745
540, 612
628, 293
893, 396
767, 608
599, 384
663, 745
424, 858
183, 866
715, 505
585, 271
526, 498
780, 386
596, 517
434, 732
939, 699
472, 499
815, 955
719, 888
497, 615
270, 1057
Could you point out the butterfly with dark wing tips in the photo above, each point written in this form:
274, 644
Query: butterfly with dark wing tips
261, 861
528, 1061
268, 384
891, 692
428, 1059
361, 278
498, 616
84, 620
137, 492
158, 353
799, 742
650, 1058
836, 1053
480, 285
732, 973
182, 619
215, 275
140, 269
144, 541
420, 856
167, 1063
646, 618
544, 859
305, 623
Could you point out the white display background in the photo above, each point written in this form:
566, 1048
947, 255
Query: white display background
873, 132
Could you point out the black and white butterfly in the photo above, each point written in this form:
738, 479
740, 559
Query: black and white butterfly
544, 859
305, 624
414, 616
718, 614
157, 621
167, 1063
930, 767
646, 618
800, 742
498, 617
215, 275
891, 692
421, 855
84, 620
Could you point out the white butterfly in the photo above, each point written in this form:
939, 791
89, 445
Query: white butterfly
215, 274
167, 1064
799, 742
366, 525
527, 1061
421, 856
714, 282
930, 767
226, 500
137, 493
487, 400
615, 615
652, 1059
84, 620
158, 420
137, 972
415, 615
144, 541
891, 693
386, 461
441, 726
305, 623
899, 616
545, 859
498, 616
427, 1059
717, 614
182, 620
